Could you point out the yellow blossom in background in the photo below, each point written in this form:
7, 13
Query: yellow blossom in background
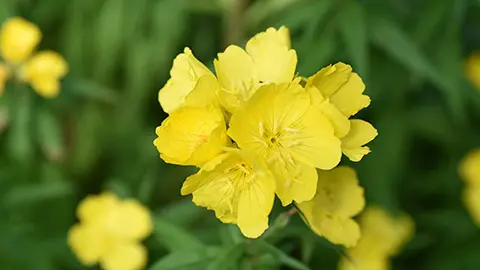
110, 232
338, 199
239, 189
267, 59
470, 168
4, 75
18, 39
338, 92
472, 69
279, 126
42, 70
191, 136
470, 173
184, 75
382, 237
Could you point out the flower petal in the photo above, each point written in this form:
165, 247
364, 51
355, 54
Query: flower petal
185, 73
18, 39
125, 256
361, 133
87, 243
191, 136
470, 168
295, 181
237, 76
133, 221
349, 99
255, 204
471, 199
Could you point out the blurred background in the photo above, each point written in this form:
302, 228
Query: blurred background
97, 135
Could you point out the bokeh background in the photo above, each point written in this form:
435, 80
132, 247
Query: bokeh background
97, 135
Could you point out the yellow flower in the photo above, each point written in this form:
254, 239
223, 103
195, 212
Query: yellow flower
471, 199
43, 71
278, 125
470, 168
110, 231
382, 237
239, 189
338, 92
361, 133
191, 136
338, 199
184, 75
268, 58
473, 69
18, 39
4, 75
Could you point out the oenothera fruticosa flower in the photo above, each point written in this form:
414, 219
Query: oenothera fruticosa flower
267, 58
110, 232
279, 125
43, 70
338, 199
238, 187
470, 173
191, 136
383, 236
282, 131
338, 92
472, 69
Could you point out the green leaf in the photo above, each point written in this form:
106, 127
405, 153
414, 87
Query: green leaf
49, 135
227, 258
20, 141
175, 238
90, 90
281, 256
185, 259
353, 28
388, 36
35, 193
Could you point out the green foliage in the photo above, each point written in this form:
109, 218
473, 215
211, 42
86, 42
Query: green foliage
98, 133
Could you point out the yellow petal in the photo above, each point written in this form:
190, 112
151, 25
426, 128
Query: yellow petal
191, 136
295, 181
472, 69
87, 243
18, 39
343, 87
361, 133
387, 232
280, 37
338, 120
43, 71
349, 99
315, 135
338, 198
471, 199
470, 167
125, 256
185, 73
94, 209
329, 79
204, 94
365, 262
237, 76
255, 204
274, 60
132, 220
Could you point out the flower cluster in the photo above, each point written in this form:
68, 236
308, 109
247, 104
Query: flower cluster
110, 231
472, 70
256, 129
42, 70
382, 237
470, 173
